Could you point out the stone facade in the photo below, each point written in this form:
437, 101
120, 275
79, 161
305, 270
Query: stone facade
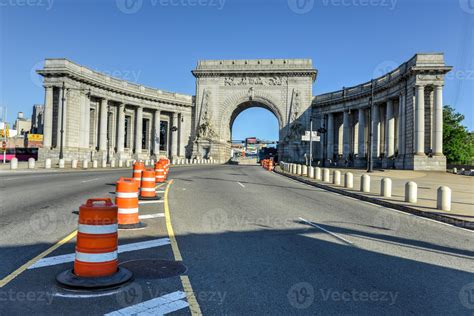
105, 116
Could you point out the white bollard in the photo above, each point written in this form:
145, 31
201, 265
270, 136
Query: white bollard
365, 183
104, 164
14, 164
304, 170
152, 162
85, 164
326, 175
112, 163
455, 170
348, 180
61, 163
95, 164
147, 162
444, 199
386, 187
74, 164
128, 163
411, 192
311, 172
293, 168
336, 177
299, 170
120, 163
318, 173
47, 163
31, 163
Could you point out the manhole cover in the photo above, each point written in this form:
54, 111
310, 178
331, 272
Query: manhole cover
154, 268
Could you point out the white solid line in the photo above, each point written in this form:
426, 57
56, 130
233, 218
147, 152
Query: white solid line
158, 306
51, 261
243, 186
152, 216
160, 191
150, 202
325, 230
90, 180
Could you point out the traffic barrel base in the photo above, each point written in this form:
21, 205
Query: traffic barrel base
139, 225
69, 280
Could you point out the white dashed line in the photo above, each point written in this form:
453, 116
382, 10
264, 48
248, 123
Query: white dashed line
243, 186
327, 231
152, 216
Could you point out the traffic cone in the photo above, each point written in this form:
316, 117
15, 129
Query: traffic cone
126, 198
138, 168
96, 262
160, 175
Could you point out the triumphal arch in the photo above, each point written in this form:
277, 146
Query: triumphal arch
396, 119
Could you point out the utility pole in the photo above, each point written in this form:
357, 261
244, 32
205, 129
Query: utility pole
63, 98
371, 129
310, 141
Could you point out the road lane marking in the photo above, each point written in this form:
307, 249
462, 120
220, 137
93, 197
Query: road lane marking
243, 186
160, 191
90, 180
51, 261
157, 306
151, 216
39, 257
327, 231
193, 304
150, 202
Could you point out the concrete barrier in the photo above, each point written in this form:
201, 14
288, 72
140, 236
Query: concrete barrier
311, 172
95, 164
74, 164
365, 183
85, 164
443, 201
62, 163
386, 187
318, 173
47, 163
304, 170
325, 175
112, 163
348, 180
411, 192
14, 164
31, 163
336, 177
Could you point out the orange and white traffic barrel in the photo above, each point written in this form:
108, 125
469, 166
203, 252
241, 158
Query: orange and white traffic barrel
96, 262
126, 198
148, 186
160, 175
138, 168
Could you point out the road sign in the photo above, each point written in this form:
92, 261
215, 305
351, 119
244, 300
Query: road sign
306, 137
35, 137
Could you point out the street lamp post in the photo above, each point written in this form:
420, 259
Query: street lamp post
310, 141
371, 129
323, 131
108, 133
63, 98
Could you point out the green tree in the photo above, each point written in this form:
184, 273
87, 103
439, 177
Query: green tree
458, 143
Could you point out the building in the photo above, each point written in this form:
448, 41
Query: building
37, 119
22, 125
103, 116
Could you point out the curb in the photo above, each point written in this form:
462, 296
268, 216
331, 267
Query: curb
441, 218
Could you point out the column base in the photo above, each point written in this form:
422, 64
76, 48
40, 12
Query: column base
421, 162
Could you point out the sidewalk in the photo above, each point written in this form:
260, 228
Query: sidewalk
462, 207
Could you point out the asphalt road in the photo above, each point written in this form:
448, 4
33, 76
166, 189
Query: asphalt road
254, 243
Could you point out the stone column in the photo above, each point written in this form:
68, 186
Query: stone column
420, 120
375, 131
438, 121
103, 125
390, 129
121, 129
361, 133
174, 135
156, 132
87, 122
138, 130
48, 118
346, 135
401, 124
330, 131
321, 138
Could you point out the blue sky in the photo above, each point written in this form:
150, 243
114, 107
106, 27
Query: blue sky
350, 41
